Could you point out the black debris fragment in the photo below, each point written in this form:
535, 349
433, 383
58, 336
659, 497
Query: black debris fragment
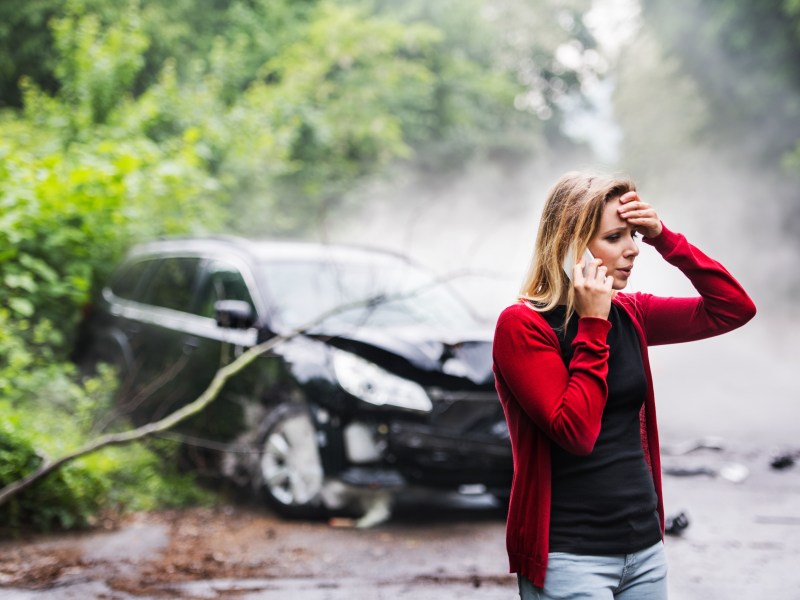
676, 524
784, 459
679, 470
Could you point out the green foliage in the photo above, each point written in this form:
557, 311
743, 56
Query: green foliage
67, 215
143, 476
338, 106
64, 499
26, 47
97, 64
75, 190
116, 479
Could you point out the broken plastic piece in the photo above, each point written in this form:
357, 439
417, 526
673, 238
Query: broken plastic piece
734, 472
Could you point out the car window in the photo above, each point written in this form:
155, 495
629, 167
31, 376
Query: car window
172, 284
222, 281
404, 296
127, 281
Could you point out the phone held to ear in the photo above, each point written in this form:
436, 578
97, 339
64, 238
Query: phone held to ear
569, 262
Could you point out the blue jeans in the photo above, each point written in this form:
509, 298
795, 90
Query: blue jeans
638, 576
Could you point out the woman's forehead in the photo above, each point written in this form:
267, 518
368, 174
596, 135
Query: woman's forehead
610, 217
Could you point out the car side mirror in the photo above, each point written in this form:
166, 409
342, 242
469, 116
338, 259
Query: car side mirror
233, 314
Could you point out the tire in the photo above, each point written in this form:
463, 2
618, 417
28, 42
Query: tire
289, 471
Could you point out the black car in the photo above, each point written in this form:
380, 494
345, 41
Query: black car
393, 390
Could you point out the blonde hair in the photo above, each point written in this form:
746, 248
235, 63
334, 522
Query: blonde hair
570, 218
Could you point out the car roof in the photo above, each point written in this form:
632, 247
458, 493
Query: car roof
268, 250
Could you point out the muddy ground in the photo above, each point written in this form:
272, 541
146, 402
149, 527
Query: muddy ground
743, 541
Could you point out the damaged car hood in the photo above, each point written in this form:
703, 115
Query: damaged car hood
466, 355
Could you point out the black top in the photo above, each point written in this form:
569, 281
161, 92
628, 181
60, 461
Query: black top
605, 503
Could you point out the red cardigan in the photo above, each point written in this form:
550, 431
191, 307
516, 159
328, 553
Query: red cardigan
544, 402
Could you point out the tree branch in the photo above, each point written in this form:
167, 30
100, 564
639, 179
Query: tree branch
126, 437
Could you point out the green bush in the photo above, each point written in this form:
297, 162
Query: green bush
46, 409
64, 499
112, 480
143, 476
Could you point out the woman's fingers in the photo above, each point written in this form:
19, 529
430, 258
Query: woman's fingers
577, 273
596, 271
590, 276
607, 283
592, 290
635, 208
583, 272
640, 214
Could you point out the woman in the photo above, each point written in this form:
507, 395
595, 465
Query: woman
586, 515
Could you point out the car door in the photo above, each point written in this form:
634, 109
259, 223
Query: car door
118, 336
167, 342
214, 346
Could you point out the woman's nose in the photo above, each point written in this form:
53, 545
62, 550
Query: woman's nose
632, 249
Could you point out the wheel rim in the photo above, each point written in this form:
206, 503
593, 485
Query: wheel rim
290, 464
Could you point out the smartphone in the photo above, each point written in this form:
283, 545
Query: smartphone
569, 262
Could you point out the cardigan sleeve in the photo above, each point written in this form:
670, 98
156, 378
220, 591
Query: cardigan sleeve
722, 305
567, 405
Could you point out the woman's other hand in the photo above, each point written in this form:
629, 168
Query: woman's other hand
593, 291
640, 214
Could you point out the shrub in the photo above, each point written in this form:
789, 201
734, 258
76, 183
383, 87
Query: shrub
64, 499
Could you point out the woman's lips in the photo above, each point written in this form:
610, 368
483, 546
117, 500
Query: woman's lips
626, 271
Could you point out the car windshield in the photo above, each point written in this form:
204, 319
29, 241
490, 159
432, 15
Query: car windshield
403, 296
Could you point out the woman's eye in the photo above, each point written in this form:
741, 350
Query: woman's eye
617, 236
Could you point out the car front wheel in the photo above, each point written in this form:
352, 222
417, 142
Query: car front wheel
290, 470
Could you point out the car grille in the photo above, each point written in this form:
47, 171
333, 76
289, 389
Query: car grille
477, 415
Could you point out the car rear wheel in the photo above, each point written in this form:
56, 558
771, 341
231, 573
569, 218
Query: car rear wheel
290, 472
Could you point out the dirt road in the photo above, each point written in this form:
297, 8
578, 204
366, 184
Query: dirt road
743, 542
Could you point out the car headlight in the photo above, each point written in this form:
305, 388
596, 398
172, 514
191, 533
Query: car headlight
370, 383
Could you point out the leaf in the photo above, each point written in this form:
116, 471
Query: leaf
20, 281
21, 306
41, 268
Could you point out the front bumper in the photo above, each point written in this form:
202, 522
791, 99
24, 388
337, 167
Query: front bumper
440, 459
463, 441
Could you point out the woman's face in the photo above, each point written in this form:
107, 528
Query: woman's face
615, 245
